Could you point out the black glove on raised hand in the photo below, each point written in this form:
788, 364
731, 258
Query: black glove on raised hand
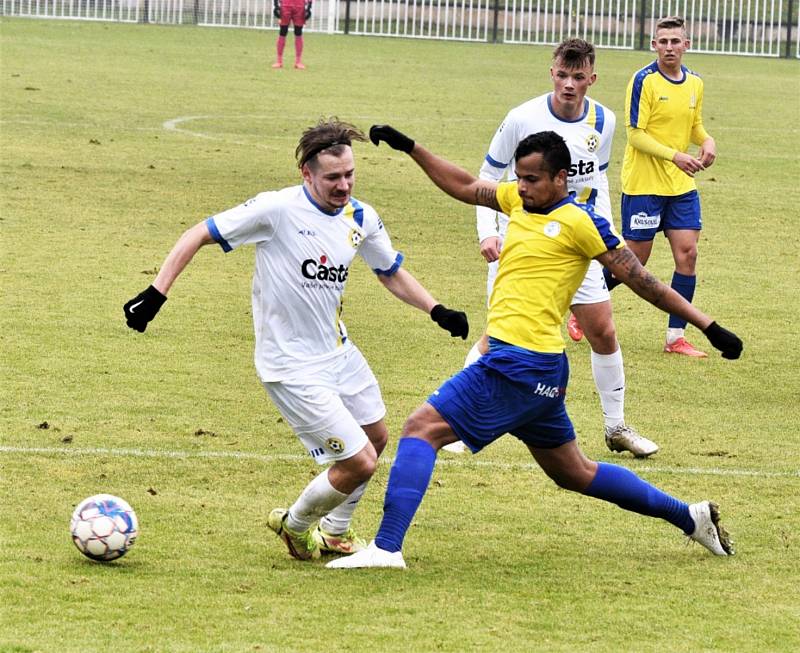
453, 321
726, 341
308, 9
276, 8
391, 137
143, 308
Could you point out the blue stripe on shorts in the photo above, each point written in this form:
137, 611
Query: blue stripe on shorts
508, 390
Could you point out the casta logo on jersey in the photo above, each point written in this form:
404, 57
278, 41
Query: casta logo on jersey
323, 270
581, 167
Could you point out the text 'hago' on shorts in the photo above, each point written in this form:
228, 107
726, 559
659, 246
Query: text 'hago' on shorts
327, 408
508, 390
645, 215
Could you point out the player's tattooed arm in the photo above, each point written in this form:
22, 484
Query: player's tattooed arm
624, 265
486, 195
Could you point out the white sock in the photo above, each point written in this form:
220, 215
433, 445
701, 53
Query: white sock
317, 499
472, 355
337, 521
609, 377
674, 334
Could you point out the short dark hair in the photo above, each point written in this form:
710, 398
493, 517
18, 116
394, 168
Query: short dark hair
551, 146
329, 135
671, 22
573, 53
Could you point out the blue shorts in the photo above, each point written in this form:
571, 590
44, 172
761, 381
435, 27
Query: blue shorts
508, 390
644, 215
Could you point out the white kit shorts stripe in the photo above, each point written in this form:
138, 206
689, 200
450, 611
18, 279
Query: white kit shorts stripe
327, 408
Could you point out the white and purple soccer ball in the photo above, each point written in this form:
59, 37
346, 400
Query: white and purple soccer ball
104, 527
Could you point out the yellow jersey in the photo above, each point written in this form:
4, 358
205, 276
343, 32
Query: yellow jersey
670, 112
543, 262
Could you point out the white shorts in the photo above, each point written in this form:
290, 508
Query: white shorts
593, 289
326, 410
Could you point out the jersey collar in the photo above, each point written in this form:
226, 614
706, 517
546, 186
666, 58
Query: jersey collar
318, 207
567, 200
684, 70
559, 118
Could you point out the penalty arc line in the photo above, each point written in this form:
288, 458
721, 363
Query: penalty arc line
446, 462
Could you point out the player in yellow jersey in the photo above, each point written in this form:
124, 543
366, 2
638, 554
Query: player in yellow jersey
519, 385
588, 129
663, 115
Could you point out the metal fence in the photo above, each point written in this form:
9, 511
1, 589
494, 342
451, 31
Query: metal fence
746, 27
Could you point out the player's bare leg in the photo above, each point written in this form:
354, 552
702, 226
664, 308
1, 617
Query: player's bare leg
334, 533
608, 371
683, 243
572, 470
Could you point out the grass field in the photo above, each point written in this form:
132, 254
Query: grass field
115, 138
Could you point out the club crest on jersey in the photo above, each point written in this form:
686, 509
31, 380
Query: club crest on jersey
335, 444
552, 228
355, 237
592, 142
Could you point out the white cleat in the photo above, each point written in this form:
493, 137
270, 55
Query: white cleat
372, 556
707, 529
625, 438
455, 447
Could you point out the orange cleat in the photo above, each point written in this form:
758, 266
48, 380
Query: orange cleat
574, 329
682, 346
299, 65
278, 64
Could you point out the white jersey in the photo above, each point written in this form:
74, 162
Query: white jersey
588, 139
303, 257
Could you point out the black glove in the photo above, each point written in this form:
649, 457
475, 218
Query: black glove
391, 137
276, 8
143, 308
308, 9
453, 321
726, 341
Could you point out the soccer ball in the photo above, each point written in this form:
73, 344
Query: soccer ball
104, 527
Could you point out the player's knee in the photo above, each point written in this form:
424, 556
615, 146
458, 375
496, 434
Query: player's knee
689, 258
417, 424
602, 336
283, 30
575, 479
361, 467
298, 30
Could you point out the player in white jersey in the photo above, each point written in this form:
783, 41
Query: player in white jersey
588, 128
306, 238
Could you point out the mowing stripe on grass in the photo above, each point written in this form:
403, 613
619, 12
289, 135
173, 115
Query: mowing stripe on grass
465, 461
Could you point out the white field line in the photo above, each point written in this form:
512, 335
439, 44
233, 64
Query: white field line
465, 461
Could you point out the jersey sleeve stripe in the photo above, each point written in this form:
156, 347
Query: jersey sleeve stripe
605, 230
603, 166
636, 95
217, 236
600, 119
495, 164
358, 213
398, 261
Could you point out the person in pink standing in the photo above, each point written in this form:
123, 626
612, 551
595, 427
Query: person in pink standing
296, 12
